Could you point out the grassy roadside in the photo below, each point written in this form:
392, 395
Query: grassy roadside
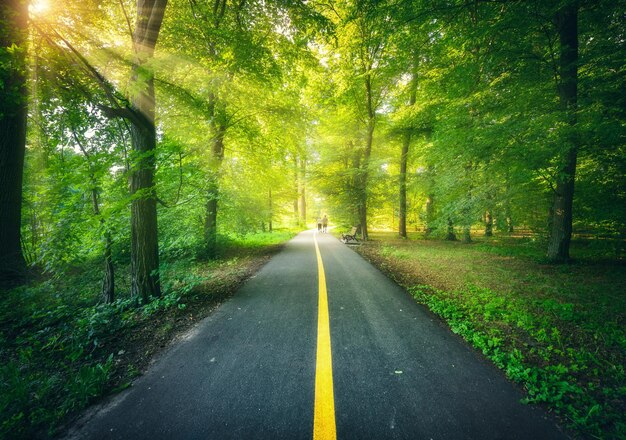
557, 330
60, 350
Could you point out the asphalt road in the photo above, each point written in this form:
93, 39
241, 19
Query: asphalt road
248, 371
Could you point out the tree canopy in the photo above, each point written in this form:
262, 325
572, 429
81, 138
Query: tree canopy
160, 128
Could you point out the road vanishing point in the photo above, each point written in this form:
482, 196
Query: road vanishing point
319, 345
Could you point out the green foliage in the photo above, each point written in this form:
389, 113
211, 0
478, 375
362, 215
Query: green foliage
555, 330
532, 350
61, 350
261, 240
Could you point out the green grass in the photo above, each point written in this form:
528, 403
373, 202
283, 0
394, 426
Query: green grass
60, 349
259, 240
557, 330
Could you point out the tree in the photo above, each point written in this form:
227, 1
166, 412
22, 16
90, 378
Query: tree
144, 232
108, 280
13, 106
406, 143
363, 65
562, 206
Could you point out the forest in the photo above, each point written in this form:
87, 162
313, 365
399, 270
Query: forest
155, 150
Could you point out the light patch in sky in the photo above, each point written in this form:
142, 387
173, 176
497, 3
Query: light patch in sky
116, 169
39, 7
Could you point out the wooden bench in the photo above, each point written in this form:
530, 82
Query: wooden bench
351, 236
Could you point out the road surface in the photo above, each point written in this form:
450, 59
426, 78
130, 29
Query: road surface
320, 345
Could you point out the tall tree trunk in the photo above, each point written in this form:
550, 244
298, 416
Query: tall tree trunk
302, 191
296, 212
451, 236
210, 220
488, 224
430, 201
355, 186
13, 102
364, 174
467, 208
406, 143
508, 217
467, 234
108, 280
562, 206
362, 212
429, 214
363, 182
217, 157
271, 209
144, 233
509, 220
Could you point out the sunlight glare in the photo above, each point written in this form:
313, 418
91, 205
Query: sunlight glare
39, 7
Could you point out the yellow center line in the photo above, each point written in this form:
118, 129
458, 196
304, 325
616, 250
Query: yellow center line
324, 415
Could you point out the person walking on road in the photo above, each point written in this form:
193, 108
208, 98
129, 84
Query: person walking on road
325, 224
319, 224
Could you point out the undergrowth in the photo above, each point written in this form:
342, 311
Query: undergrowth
60, 349
534, 351
556, 330
56, 361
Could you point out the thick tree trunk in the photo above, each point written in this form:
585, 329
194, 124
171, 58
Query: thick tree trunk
143, 213
508, 217
362, 212
430, 210
354, 182
488, 224
210, 220
467, 234
362, 186
451, 236
13, 102
562, 206
509, 221
467, 208
144, 233
217, 157
364, 174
